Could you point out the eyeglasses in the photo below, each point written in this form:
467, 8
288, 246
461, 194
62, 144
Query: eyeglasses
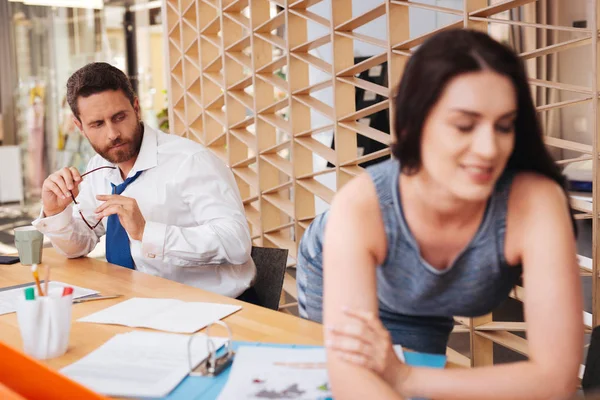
77, 204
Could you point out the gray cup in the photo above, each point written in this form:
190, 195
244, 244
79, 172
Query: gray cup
29, 242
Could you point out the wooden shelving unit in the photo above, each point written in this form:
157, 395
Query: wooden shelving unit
239, 84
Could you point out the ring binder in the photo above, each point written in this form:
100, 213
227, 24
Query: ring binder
213, 365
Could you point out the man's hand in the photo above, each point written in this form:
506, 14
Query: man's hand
56, 189
127, 209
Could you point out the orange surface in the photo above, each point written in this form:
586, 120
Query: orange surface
22, 377
7, 394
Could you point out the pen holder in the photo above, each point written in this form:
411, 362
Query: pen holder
45, 325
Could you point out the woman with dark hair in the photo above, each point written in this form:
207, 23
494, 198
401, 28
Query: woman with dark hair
470, 203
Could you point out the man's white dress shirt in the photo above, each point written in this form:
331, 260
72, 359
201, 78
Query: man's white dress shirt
196, 230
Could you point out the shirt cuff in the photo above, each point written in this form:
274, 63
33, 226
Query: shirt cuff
153, 240
54, 223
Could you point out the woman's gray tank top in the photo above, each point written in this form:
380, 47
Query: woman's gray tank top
417, 302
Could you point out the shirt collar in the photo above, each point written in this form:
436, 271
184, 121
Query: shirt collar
147, 157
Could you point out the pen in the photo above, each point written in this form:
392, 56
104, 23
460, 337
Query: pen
96, 298
36, 276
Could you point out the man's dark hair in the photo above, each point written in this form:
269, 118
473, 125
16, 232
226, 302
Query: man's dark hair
96, 78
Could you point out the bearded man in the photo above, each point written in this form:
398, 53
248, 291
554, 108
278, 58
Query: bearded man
168, 206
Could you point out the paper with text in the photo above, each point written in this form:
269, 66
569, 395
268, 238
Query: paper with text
140, 364
280, 373
277, 373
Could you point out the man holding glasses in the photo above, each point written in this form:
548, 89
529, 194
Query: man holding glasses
168, 206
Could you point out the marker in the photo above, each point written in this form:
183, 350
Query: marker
30, 293
67, 291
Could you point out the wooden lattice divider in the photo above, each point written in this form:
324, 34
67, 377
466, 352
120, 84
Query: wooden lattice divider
239, 83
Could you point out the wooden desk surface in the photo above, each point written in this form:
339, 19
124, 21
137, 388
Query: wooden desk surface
252, 323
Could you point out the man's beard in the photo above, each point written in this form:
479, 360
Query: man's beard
127, 152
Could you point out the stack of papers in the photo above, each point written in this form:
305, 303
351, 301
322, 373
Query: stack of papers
140, 364
10, 296
162, 314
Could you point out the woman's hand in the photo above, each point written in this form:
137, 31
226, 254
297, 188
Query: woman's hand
364, 341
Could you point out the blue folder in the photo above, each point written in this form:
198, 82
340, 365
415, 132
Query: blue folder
207, 388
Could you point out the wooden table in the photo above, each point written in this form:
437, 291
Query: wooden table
252, 323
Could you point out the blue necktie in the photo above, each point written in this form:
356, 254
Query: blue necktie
117, 242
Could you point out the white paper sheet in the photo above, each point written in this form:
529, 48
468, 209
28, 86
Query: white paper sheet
9, 298
162, 314
280, 373
277, 373
139, 364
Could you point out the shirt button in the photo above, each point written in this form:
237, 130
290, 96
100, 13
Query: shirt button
151, 255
